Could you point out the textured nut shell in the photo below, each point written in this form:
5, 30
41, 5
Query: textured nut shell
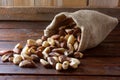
95, 26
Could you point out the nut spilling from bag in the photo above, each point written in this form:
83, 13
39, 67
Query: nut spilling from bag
59, 51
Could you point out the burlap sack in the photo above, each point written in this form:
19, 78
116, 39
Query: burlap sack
95, 26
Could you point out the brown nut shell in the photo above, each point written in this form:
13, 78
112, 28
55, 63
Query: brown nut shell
27, 64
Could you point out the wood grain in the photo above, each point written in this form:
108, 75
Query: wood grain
10, 3
39, 3
103, 3
23, 24
23, 2
0, 2
32, 77
4, 2
75, 3
89, 69
46, 14
45, 3
119, 3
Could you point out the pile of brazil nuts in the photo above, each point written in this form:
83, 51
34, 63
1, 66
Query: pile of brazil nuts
60, 51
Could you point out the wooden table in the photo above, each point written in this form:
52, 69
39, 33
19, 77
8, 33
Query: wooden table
100, 63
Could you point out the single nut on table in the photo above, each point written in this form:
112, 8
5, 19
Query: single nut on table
27, 64
74, 60
71, 39
33, 47
45, 44
18, 48
25, 54
74, 65
70, 47
45, 55
6, 52
78, 54
51, 61
63, 58
10, 59
52, 47
70, 51
55, 37
46, 50
59, 50
40, 48
39, 42
54, 54
58, 66
25, 50
55, 58
63, 44
5, 57
45, 63
76, 45
39, 54
17, 59
31, 42
65, 65
31, 51
35, 57
57, 44
51, 41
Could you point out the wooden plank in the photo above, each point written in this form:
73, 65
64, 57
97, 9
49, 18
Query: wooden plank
0, 2
4, 2
89, 69
112, 39
23, 2
31, 24
103, 3
10, 3
108, 49
39, 3
20, 34
31, 77
23, 24
45, 14
119, 3
75, 3
100, 60
44, 3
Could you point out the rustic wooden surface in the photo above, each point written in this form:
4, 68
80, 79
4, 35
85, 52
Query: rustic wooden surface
46, 14
100, 63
